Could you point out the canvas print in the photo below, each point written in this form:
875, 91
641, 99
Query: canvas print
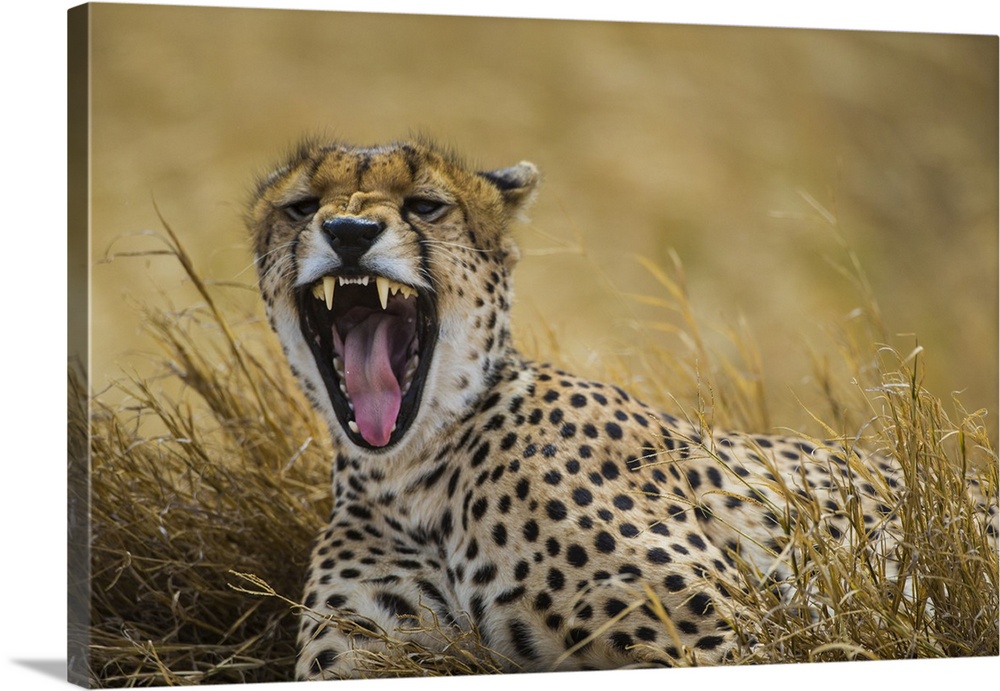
428, 346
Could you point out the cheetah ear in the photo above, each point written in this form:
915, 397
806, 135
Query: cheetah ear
516, 184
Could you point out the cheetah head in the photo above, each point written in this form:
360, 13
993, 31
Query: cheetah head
385, 274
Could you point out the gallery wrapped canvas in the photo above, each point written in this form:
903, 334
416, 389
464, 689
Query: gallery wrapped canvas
409, 346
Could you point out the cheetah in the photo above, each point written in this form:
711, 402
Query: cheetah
474, 487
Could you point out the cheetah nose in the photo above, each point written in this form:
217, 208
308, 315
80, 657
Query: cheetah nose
351, 236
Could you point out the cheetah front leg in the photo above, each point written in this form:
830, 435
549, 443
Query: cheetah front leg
359, 629
369, 606
337, 641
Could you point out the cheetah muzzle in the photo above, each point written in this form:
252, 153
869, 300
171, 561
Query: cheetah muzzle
479, 490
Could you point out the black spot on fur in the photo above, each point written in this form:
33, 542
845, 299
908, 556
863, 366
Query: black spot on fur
701, 605
485, 574
555, 509
395, 604
522, 640
577, 555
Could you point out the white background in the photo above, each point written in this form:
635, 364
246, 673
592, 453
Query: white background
33, 260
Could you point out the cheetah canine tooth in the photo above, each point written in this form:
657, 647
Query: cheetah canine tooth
382, 284
329, 283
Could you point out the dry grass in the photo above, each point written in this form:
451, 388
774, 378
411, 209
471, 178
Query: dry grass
210, 482
847, 603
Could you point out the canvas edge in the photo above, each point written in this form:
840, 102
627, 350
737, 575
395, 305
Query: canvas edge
78, 346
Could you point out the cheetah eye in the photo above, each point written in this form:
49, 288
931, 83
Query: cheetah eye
302, 209
426, 209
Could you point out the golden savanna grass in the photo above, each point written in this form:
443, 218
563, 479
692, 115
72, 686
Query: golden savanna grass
212, 477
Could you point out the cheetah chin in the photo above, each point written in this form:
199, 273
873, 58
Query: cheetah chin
373, 338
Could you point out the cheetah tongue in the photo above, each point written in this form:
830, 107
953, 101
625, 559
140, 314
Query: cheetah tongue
370, 349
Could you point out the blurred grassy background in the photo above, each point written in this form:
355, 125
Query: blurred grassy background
728, 145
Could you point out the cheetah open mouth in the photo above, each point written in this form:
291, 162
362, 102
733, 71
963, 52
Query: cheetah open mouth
372, 338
